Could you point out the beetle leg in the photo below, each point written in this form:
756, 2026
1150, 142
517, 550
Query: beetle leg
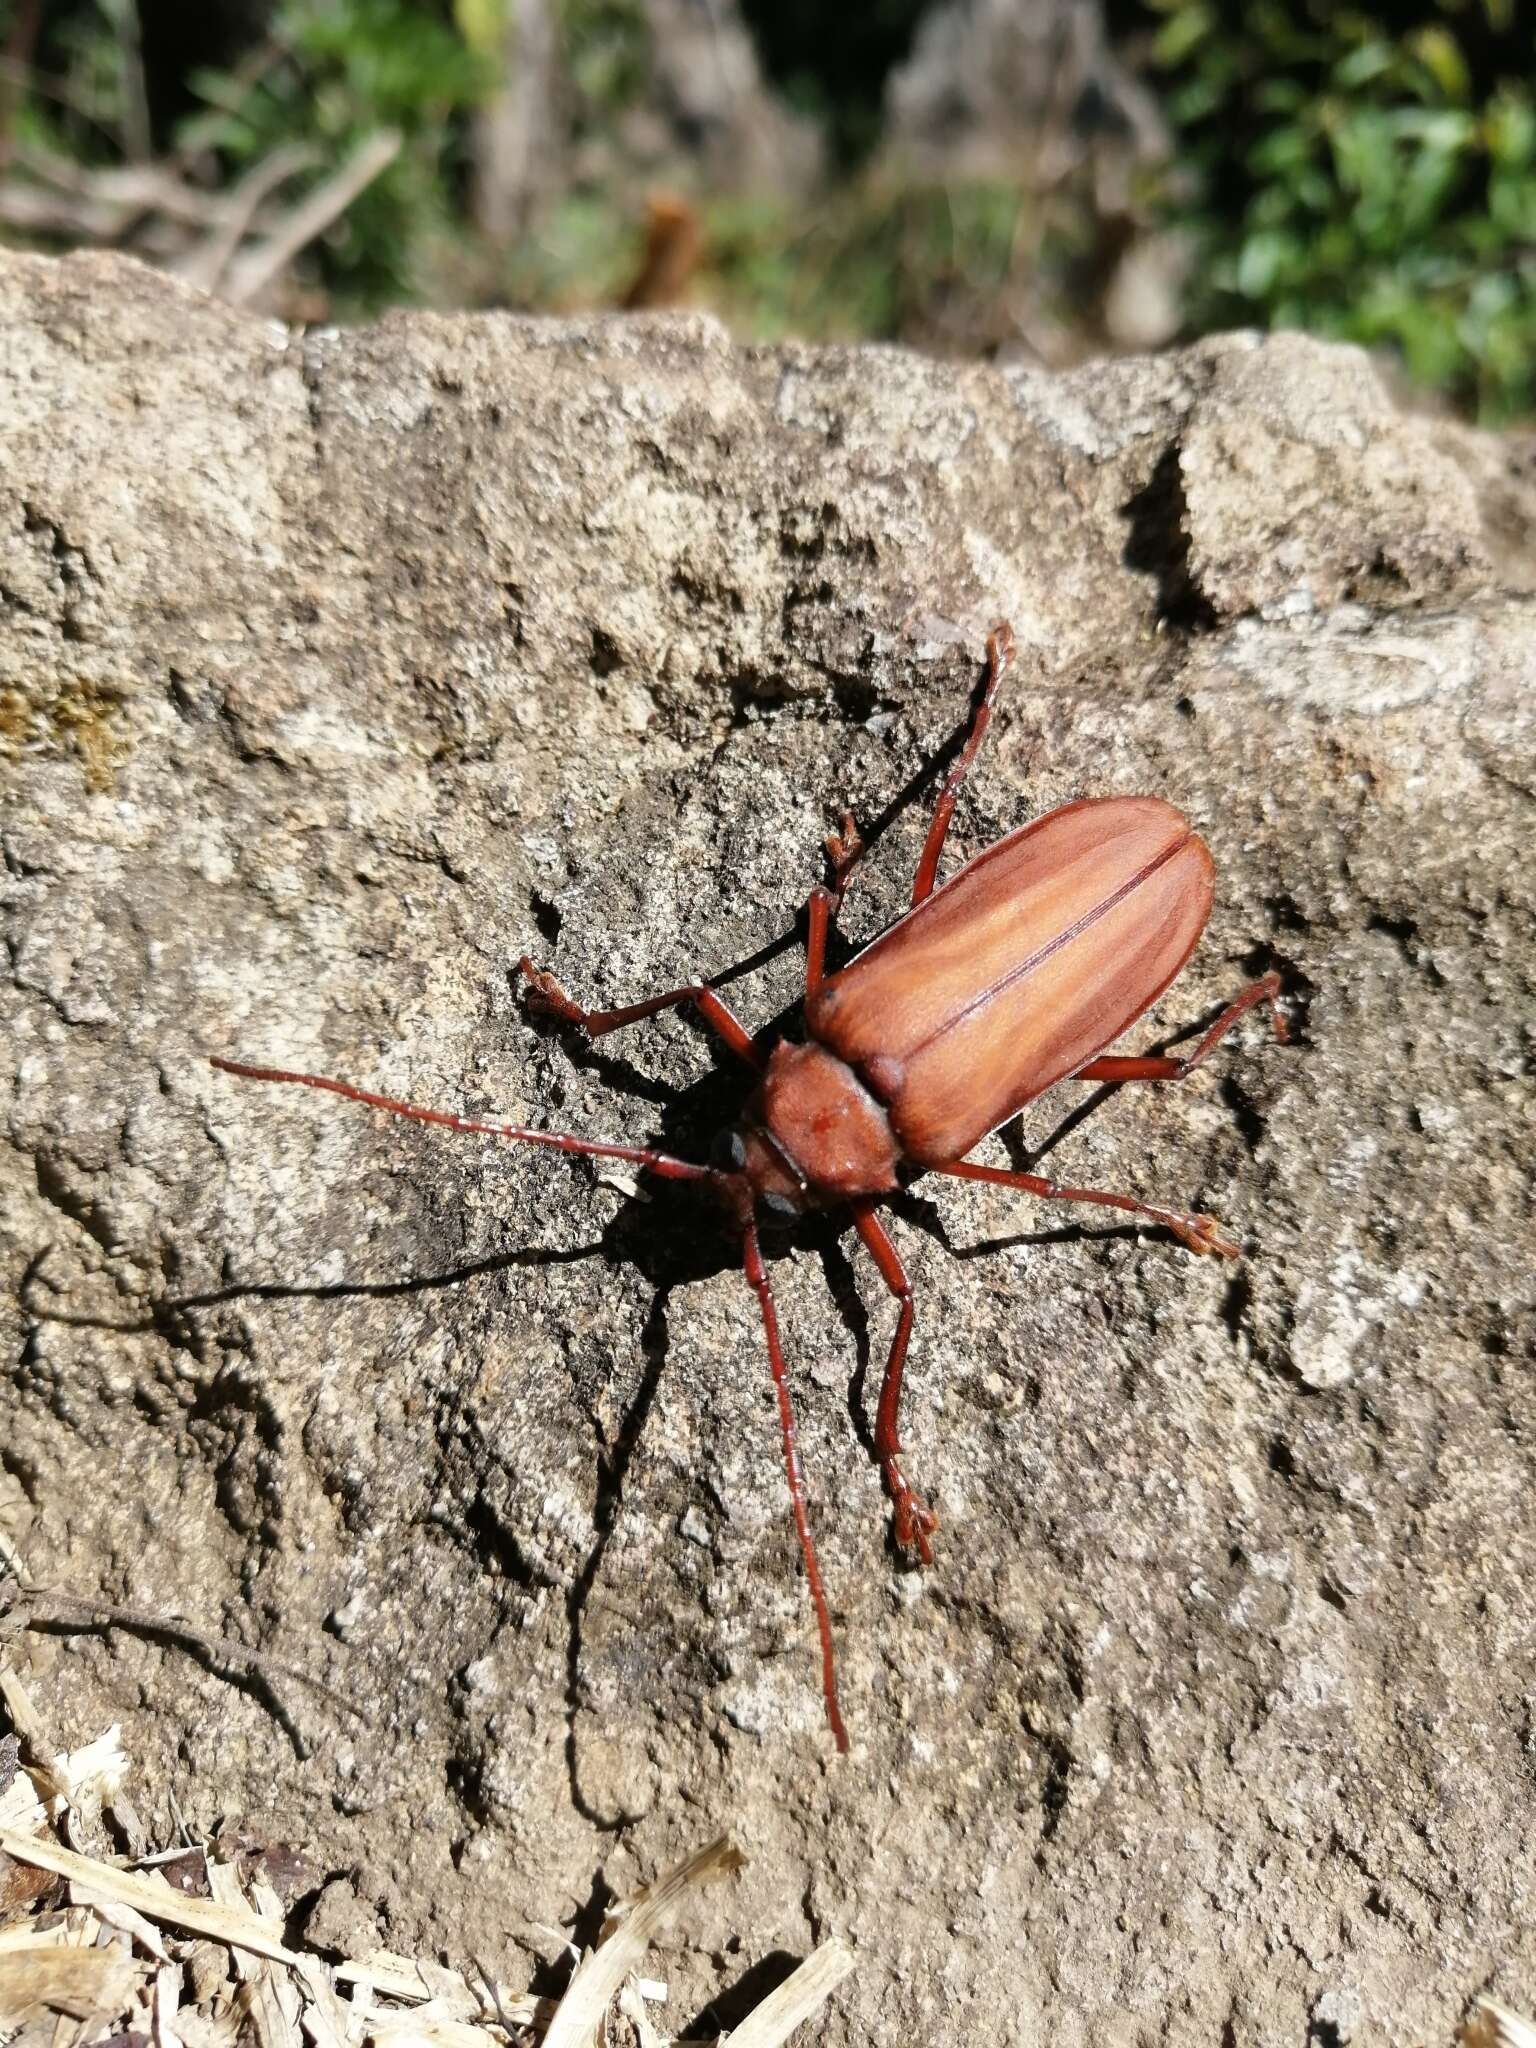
1160, 1067
660, 1163
1000, 651
916, 1522
757, 1276
845, 850
546, 994
1200, 1233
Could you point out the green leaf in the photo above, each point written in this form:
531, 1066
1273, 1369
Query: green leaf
1440, 54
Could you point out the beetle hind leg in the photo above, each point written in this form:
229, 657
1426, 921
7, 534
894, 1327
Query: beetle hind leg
1173, 1067
1199, 1232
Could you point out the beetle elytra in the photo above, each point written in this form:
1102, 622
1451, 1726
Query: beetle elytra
1012, 977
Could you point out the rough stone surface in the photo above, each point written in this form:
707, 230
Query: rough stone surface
336, 671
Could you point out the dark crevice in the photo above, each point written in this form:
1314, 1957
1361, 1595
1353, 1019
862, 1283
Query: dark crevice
547, 917
1403, 931
1056, 1789
1158, 545
604, 657
1285, 913
497, 1544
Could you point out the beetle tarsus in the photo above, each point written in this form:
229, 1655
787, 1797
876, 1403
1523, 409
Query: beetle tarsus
1201, 1234
845, 849
545, 997
916, 1523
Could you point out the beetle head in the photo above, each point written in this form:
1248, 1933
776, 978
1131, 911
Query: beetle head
754, 1180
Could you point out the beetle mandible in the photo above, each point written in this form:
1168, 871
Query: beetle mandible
1014, 976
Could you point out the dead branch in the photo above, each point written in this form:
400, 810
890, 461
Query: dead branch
251, 274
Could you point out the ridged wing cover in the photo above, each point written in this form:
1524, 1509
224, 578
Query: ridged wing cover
1020, 970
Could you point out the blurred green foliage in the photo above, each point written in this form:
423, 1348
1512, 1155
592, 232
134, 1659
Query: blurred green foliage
1367, 172
878, 260
331, 73
1364, 176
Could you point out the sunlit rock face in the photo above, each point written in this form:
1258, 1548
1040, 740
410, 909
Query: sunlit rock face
340, 669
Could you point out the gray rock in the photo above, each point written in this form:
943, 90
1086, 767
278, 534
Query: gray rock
340, 669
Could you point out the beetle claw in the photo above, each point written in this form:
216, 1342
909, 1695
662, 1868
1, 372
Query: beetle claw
845, 849
545, 996
1203, 1234
916, 1525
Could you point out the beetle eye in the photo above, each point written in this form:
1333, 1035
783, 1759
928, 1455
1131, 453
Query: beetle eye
778, 1208
729, 1152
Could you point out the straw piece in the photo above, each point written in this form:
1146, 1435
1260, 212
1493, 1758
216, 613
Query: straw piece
1494, 2026
413, 1983
167, 2004
28, 1724
78, 1982
410, 2030
396, 1976
24, 1717
632, 2008
325, 2019
270, 2000
149, 1896
30, 1935
123, 1918
89, 1776
599, 1977
801, 1993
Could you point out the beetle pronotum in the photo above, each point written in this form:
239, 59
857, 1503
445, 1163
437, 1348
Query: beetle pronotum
1015, 975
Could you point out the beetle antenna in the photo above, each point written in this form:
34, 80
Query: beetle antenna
659, 1163
757, 1275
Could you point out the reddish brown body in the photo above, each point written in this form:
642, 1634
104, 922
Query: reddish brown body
1036, 956
1013, 977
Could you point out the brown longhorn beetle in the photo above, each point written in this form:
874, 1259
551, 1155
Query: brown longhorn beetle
1015, 975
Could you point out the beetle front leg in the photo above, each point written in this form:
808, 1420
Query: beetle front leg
1164, 1067
546, 995
916, 1523
1000, 651
1200, 1233
845, 850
